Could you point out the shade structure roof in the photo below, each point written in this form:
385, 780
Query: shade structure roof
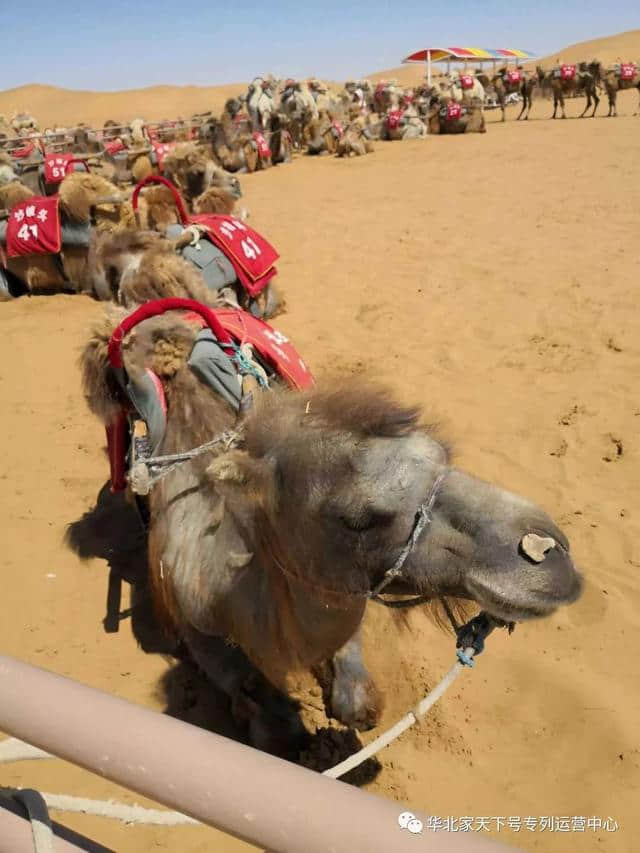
468, 54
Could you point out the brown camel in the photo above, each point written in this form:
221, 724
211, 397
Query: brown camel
228, 136
191, 168
356, 138
454, 117
507, 82
87, 203
264, 556
620, 77
133, 267
572, 80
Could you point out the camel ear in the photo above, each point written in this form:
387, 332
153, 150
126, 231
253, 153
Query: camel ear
238, 468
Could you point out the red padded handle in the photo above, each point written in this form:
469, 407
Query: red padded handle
158, 179
153, 309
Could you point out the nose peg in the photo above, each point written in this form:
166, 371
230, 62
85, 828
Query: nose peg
537, 547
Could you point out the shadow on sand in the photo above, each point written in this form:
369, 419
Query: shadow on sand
112, 531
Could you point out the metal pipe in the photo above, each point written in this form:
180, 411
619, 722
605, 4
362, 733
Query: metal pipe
248, 794
16, 835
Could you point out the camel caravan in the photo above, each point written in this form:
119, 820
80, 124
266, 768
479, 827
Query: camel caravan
83, 180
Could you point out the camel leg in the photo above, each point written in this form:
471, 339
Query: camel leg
271, 717
355, 700
587, 106
596, 101
555, 105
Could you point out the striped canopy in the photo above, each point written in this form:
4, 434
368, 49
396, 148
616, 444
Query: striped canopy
469, 54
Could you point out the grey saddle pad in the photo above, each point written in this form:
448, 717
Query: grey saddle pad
213, 265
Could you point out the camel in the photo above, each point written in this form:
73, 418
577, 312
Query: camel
462, 88
193, 171
452, 117
620, 76
386, 97
355, 139
507, 82
322, 134
228, 136
87, 204
403, 124
261, 102
299, 106
131, 267
24, 124
264, 553
566, 80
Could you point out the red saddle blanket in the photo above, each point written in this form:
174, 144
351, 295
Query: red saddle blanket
627, 71
454, 111
337, 128
115, 147
55, 167
26, 151
251, 256
272, 345
567, 72
394, 118
263, 146
161, 149
466, 81
514, 77
34, 228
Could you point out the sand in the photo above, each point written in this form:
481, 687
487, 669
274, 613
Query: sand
498, 276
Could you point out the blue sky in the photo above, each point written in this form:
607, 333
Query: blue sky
116, 44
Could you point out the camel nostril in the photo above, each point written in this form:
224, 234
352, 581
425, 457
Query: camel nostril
536, 547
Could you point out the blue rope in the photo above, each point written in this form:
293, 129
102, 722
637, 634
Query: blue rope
244, 365
464, 659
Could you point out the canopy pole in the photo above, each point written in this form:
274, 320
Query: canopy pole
429, 68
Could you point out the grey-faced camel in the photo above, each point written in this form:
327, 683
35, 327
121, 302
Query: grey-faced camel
264, 556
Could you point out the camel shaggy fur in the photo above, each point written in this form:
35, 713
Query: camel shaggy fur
133, 267
274, 546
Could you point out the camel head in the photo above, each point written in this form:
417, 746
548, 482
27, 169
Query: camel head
333, 481
233, 106
191, 168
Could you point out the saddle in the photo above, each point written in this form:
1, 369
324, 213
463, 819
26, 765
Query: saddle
627, 71
34, 227
452, 111
225, 251
229, 345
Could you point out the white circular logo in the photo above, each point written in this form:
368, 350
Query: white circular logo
415, 826
405, 818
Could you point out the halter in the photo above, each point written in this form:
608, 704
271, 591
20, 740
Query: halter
424, 517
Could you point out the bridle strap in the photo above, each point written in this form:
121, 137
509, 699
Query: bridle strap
423, 518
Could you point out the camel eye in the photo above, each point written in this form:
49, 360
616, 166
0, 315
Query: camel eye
368, 520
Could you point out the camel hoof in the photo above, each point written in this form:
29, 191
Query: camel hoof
356, 703
272, 723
